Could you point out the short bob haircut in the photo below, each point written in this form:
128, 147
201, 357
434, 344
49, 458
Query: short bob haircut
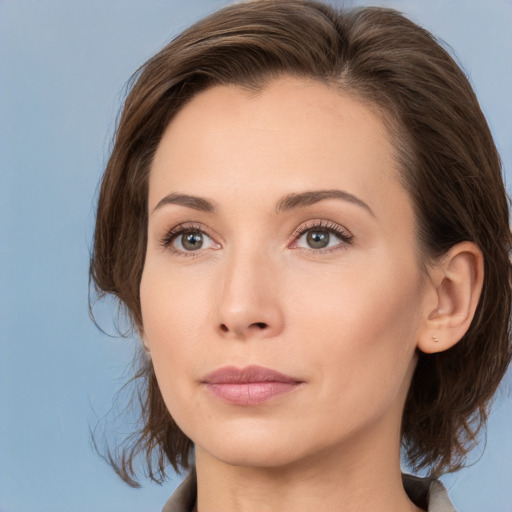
449, 166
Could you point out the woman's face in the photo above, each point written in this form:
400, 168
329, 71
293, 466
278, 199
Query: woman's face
281, 296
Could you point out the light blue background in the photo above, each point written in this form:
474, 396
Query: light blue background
63, 65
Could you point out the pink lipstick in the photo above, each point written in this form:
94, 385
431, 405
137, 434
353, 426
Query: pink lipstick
251, 385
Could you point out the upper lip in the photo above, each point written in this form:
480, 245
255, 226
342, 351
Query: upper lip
234, 375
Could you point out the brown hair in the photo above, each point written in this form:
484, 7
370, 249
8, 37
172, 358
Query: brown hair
449, 164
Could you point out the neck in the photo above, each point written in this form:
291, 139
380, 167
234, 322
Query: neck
345, 480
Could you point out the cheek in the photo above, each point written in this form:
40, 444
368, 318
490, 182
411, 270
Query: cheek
365, 322
173, 318
173, 308
367, 297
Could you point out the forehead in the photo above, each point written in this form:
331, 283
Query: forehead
289, 136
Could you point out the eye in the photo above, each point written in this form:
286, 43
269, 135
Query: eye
321, 235
318, 239
192, 241
188, 239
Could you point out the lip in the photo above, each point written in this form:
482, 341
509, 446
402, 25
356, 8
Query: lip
251, 385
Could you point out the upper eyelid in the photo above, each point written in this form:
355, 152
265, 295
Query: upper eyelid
320, 224
189, 226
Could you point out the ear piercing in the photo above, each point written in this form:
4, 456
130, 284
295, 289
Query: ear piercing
435, 339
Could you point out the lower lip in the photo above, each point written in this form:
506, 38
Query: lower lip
250, 393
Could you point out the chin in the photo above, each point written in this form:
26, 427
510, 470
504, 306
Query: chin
256, 456
259, 447
239, 445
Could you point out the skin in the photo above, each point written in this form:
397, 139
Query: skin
345, 321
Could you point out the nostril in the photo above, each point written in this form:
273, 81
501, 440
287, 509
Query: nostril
259, 325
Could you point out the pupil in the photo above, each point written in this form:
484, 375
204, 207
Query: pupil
318, 239
192, 241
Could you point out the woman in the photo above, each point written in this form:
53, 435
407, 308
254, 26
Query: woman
305, 218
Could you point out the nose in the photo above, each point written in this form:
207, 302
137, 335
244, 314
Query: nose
249, 304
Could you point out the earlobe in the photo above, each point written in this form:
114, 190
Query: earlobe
457, 281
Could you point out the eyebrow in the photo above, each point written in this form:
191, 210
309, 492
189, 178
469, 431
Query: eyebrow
288, 202
305, 199
196, 203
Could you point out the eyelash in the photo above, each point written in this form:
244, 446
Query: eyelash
179, 230
320, 225
343, 234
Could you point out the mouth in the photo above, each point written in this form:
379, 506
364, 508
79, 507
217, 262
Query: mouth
251, 385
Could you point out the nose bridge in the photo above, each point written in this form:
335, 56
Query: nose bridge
249, 303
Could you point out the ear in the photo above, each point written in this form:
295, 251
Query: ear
456, 281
